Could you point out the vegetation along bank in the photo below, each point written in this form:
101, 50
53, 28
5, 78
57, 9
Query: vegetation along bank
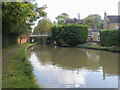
77, 35
98, 47
17, 71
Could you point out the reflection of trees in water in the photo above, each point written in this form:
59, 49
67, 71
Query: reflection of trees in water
109, 62
76, 58
119, 63
93, 60
69, 58
43, 53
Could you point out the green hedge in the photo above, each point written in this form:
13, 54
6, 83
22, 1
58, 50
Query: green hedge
69, 35
110, 38
8, 40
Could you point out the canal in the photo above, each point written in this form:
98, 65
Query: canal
58, 67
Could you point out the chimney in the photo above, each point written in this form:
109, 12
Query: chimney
105, 14
78, 16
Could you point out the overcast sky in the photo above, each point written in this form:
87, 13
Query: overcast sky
84, 7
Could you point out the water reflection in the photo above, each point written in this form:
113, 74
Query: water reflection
74, 67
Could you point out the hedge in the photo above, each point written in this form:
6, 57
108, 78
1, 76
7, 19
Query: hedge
69, 35
110, 38
8, 40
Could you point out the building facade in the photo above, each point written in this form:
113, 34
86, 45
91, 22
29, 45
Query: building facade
24, 38
111, 21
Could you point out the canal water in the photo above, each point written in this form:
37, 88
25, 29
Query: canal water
58, 67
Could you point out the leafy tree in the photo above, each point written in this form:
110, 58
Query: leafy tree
93, 21
19, 14
62, 18
17, 18
44, 26
55, 23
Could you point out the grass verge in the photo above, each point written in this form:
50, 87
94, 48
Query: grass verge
17, 72
98, 47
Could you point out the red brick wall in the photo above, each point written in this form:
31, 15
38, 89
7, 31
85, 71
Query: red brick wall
24, 38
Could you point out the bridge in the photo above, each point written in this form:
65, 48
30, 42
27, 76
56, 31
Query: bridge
40, 38
40, 35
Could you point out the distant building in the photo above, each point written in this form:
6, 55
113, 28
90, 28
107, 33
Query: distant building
111, 21
71, 21
93, 35
23, 38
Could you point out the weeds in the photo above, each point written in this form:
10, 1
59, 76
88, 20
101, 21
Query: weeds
17, 72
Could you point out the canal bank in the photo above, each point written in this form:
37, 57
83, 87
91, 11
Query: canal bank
17, 71
94, 46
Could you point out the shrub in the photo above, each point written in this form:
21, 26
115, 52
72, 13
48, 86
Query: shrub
109, 38
69, 34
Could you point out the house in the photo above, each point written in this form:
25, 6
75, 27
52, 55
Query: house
93, 35
23, 38
111, 21
71, 21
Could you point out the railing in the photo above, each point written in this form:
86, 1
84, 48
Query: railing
40, 35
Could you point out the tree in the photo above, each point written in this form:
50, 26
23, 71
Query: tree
17, 18
19, 14
93, 21
62, 18
44, 26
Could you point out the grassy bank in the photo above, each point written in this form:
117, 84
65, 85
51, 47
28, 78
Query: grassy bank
17, 71
98, 47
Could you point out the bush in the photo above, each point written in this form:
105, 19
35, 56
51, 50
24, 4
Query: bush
8, 40
109, 38
69, 35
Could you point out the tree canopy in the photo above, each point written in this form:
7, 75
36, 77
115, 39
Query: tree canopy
44, 26
62, 18
93, 21
17, 18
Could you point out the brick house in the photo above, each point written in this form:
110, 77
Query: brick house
71, 21
111, 21
23, 38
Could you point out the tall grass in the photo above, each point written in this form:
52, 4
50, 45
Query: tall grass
17, 72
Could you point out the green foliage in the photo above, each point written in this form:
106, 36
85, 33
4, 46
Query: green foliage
8, 40
109, 38
62, 18
17, 71
69, 34
44, 26
93, 21
98, 47
41, 11
17, 18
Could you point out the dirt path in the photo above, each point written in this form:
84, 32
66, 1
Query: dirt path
7, 55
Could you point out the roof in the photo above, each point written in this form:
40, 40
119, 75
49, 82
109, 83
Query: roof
93, 30
71, 21
114, 19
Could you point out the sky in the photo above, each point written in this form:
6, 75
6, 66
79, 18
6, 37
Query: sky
83, 7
